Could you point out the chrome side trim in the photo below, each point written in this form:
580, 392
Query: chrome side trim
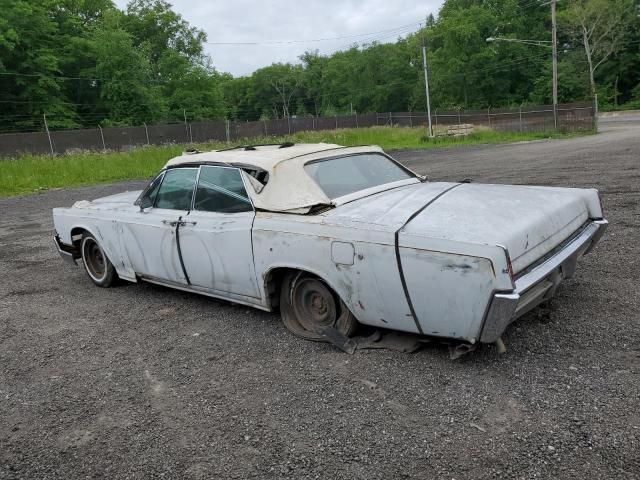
229, 297
540, 283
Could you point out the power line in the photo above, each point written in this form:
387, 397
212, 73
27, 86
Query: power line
313, 40
347, 90
97, 116
158, 81
369, 40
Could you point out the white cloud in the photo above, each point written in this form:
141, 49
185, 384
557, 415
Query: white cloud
285, 20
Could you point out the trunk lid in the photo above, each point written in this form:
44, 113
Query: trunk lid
388, 210
528, 221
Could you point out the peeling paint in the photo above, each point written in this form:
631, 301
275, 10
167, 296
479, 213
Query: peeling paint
452, 252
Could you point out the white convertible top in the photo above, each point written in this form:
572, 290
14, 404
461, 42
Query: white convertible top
289, 187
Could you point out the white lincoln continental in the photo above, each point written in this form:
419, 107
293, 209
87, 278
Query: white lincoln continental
335, 236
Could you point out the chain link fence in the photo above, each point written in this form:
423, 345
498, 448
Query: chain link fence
568, 117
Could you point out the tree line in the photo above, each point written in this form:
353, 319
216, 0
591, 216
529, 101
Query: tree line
86, 62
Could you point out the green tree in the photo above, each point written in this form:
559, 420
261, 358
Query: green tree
191, 88
30, 67
602, 26
154, 23
128, 91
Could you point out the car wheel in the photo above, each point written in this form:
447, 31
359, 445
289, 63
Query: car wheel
308, 306
100, 270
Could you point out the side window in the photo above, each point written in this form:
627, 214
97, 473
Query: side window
220, 189
151, 191
176, 190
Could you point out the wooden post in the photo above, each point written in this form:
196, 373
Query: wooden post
186, 129
104, 148
46, 127
520, 114
595, 112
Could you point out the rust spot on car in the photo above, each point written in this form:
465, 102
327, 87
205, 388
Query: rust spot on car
454, 266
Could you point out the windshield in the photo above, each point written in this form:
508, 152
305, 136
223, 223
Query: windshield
344, 175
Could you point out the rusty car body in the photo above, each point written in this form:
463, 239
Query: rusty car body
334, 236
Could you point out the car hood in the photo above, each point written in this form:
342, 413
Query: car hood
112, 202
528, 221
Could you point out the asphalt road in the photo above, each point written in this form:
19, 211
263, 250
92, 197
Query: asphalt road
141, 381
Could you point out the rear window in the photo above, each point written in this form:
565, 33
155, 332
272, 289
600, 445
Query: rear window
344, 175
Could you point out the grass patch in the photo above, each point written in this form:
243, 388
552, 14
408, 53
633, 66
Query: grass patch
32, 174
415, 138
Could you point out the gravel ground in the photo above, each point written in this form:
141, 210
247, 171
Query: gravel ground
141, 381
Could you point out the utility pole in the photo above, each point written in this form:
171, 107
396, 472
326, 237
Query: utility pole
554, 40
426, 83
544, 43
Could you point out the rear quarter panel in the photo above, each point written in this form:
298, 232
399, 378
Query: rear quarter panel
451, 283
370, 286
450, 293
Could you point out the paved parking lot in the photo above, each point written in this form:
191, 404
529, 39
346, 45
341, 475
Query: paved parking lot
141, 381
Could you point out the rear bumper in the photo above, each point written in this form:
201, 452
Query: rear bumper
540, 282
68, 253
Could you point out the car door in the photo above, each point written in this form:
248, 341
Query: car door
150, 237
216, 239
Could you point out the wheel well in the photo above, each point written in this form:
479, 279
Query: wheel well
76, 236
273, 284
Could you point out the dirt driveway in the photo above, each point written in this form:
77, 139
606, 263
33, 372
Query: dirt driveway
141, 381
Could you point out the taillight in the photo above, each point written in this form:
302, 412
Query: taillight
601, 208
510, 266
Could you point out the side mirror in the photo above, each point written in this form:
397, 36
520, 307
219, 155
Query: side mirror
145, 202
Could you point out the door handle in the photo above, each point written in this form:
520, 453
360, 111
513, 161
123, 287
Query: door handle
181, 223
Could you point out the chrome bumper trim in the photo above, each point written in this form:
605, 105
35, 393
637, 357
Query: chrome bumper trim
68, 254
540, 283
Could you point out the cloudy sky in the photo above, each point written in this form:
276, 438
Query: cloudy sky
294, 23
